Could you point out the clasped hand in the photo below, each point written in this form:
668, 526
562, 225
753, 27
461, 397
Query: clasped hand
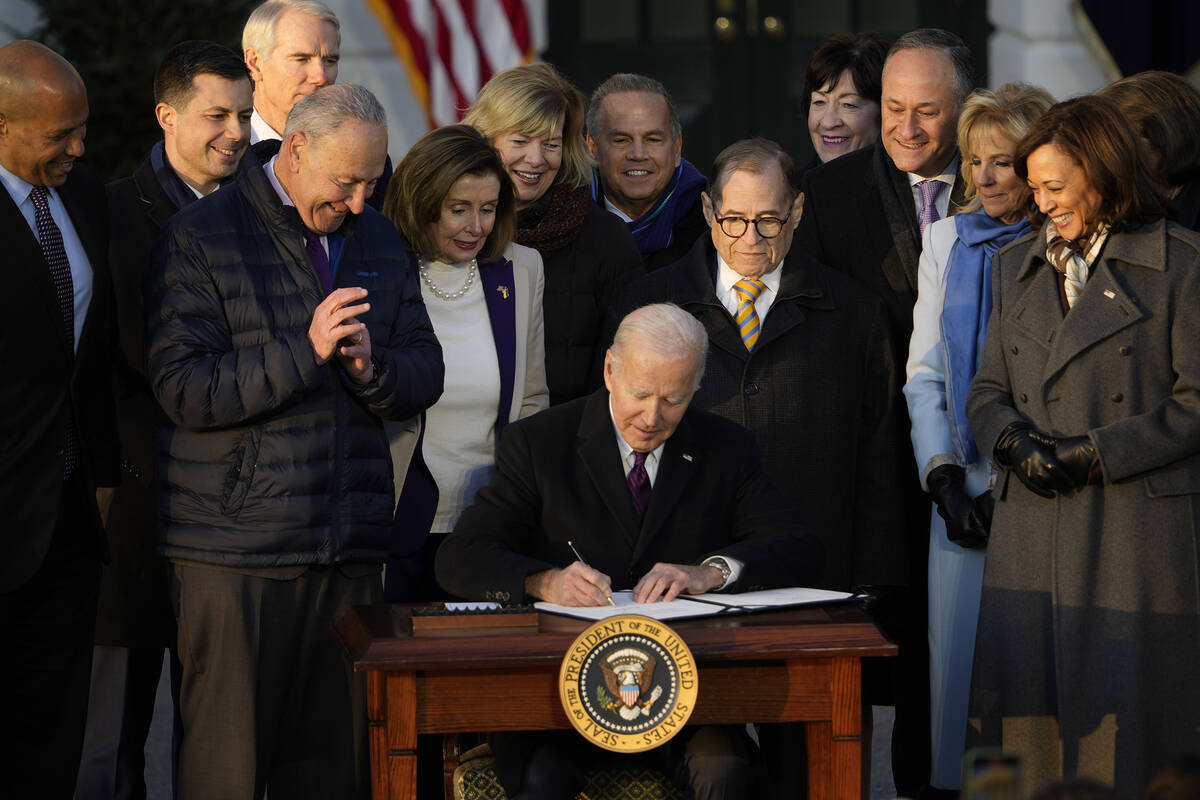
335, 330
1047, 465
577, 584
968, 520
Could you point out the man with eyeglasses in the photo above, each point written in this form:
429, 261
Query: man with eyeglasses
800, 355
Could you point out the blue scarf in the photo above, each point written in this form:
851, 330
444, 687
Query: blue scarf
966, 304
655, 230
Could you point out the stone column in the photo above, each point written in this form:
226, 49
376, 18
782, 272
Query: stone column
1041, 42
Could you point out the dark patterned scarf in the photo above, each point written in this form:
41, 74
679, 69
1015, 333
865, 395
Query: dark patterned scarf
553, 221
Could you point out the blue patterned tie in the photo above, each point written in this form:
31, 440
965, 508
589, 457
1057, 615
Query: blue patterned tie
55, 253
930, 190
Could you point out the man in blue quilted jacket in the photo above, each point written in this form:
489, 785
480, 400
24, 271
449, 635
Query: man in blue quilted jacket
285, 325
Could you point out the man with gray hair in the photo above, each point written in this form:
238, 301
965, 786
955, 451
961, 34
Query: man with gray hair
291, 49
656, 497
634, 136
866, 213
284, 326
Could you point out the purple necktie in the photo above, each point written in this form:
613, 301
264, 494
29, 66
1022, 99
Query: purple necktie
930, 190
639, 485
319, 258
50, 238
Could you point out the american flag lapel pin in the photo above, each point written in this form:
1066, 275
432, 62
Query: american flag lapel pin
503, 290
687, 456
1110, 294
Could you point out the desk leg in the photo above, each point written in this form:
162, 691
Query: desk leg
392, 711
835, 747
377, 732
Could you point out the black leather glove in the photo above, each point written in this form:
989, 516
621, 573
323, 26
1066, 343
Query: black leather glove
1031, 455
1076, 454
964, 526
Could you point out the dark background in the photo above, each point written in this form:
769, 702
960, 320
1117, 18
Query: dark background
735, 67
116, 45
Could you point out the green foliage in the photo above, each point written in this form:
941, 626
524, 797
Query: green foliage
116, 45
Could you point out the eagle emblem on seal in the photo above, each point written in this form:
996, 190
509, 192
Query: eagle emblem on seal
628, 674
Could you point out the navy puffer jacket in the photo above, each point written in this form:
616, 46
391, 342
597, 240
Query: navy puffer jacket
272, 459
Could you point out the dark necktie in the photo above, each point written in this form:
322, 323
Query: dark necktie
50, 238
319, 258
639, 485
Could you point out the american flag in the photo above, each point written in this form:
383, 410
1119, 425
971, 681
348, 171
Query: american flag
451, 47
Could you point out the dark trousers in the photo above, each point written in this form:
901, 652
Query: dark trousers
710, 762
268, 702
47, 626
120, 713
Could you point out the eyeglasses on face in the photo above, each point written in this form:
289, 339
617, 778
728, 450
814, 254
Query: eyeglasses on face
767, 227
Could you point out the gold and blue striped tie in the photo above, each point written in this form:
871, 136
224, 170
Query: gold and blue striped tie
748, 290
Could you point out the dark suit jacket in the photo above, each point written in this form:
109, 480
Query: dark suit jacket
690, 227
558, 476
820, 394
134, 609
45, 383
859, 217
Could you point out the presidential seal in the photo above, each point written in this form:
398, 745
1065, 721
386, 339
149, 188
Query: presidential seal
628, 683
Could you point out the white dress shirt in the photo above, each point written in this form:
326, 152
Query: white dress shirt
81, 267
613, 209
260, 130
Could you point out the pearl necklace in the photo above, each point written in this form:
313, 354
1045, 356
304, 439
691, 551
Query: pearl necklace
472, 266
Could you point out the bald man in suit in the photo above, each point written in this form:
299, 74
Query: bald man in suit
57, 438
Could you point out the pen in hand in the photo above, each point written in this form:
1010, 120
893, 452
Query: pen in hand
571, 545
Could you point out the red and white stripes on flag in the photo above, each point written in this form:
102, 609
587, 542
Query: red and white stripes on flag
451, 47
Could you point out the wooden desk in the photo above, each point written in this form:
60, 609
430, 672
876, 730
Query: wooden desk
793, 665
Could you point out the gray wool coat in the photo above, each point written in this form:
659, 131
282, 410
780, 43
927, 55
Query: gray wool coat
1088, 646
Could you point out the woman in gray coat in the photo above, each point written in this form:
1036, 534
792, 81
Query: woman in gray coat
1088, 398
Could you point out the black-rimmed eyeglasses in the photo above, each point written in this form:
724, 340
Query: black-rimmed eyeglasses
767, 227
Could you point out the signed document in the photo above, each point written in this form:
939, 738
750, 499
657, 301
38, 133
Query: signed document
701, 605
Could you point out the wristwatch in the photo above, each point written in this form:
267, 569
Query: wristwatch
721, 564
